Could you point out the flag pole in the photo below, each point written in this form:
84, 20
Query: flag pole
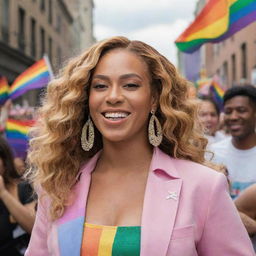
48, 63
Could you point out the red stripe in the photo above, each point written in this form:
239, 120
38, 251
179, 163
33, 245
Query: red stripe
21, 123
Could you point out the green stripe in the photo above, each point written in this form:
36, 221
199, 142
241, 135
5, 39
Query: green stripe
240, 4
183, 46
127, 241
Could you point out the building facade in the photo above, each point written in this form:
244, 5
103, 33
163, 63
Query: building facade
31, 28
234, 60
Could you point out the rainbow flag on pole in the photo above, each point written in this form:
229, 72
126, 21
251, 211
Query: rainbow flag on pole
36, 76
17, 135
4, 90
218, 20
217, 92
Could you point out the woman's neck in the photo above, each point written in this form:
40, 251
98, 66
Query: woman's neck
125, 156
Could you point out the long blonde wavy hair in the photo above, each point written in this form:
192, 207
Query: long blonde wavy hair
55, 153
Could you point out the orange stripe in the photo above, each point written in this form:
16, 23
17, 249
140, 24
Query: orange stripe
90, 243
212, 12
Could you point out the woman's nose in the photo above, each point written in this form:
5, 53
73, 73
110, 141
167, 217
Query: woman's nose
115, 95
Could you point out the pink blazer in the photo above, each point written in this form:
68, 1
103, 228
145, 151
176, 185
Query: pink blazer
187, 211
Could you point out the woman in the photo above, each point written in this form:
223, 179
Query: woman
16, 205
130, 187
209, 116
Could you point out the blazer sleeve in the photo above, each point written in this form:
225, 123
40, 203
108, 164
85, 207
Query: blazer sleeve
38, 241
224, 233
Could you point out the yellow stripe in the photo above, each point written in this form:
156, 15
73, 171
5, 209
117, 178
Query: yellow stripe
212, 31
10, 126
106, 241
4, 89
230, 2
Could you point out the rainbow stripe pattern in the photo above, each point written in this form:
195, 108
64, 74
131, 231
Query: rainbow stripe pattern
17, 135
218, 20
4, 90
36, 76
101, 240
217, 93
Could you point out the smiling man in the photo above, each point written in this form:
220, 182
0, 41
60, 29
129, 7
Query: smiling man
238, 152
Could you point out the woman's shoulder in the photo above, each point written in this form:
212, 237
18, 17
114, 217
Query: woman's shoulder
197, 172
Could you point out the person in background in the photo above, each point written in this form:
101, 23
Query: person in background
246, 205
209, 116
238, 152
119, 164
4, 113
17, 206
20, 165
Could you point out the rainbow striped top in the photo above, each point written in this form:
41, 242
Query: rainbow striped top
99, 240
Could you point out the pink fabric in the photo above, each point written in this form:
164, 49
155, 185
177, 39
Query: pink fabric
187, 211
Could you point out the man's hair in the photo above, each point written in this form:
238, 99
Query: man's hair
245, 90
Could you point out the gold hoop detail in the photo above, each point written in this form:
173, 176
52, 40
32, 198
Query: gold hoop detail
87, 137
155, 136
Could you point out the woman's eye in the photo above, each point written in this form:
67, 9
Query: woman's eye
131, 86
99, 86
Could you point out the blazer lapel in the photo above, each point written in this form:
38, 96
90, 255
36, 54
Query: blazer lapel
160, 205
71, 225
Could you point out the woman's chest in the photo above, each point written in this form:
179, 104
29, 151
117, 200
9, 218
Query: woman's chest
115, 201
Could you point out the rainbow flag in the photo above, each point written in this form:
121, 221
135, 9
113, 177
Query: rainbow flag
217, 93
4, 90
36, 76
17, 135
218, 20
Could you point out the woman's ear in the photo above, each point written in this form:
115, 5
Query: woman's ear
154, 101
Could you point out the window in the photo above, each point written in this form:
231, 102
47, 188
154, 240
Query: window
225, 73
233, 63
5, 21
42, 35
21, 33
244, 60
58, 27
50, 11
50, 48
42, 5
33, 37
59, 56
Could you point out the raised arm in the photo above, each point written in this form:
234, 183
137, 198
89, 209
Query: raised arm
246, 205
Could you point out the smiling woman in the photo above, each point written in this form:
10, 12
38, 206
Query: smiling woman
136, 184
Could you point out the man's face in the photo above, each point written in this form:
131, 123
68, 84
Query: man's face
240, 116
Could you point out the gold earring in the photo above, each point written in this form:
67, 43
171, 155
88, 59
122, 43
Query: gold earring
155, 136
87, 137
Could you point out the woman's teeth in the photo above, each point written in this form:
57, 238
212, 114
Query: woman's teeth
115, 115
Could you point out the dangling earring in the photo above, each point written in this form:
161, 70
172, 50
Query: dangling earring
155, 136
87, 137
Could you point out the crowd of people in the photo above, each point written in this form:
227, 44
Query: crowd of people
123, 162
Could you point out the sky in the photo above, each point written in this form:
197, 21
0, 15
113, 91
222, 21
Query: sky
156, 22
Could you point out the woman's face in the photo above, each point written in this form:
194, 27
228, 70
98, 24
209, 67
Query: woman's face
208, 116
120, 96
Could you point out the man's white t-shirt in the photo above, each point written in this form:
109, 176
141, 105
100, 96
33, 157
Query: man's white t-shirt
241, 164
216, 138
